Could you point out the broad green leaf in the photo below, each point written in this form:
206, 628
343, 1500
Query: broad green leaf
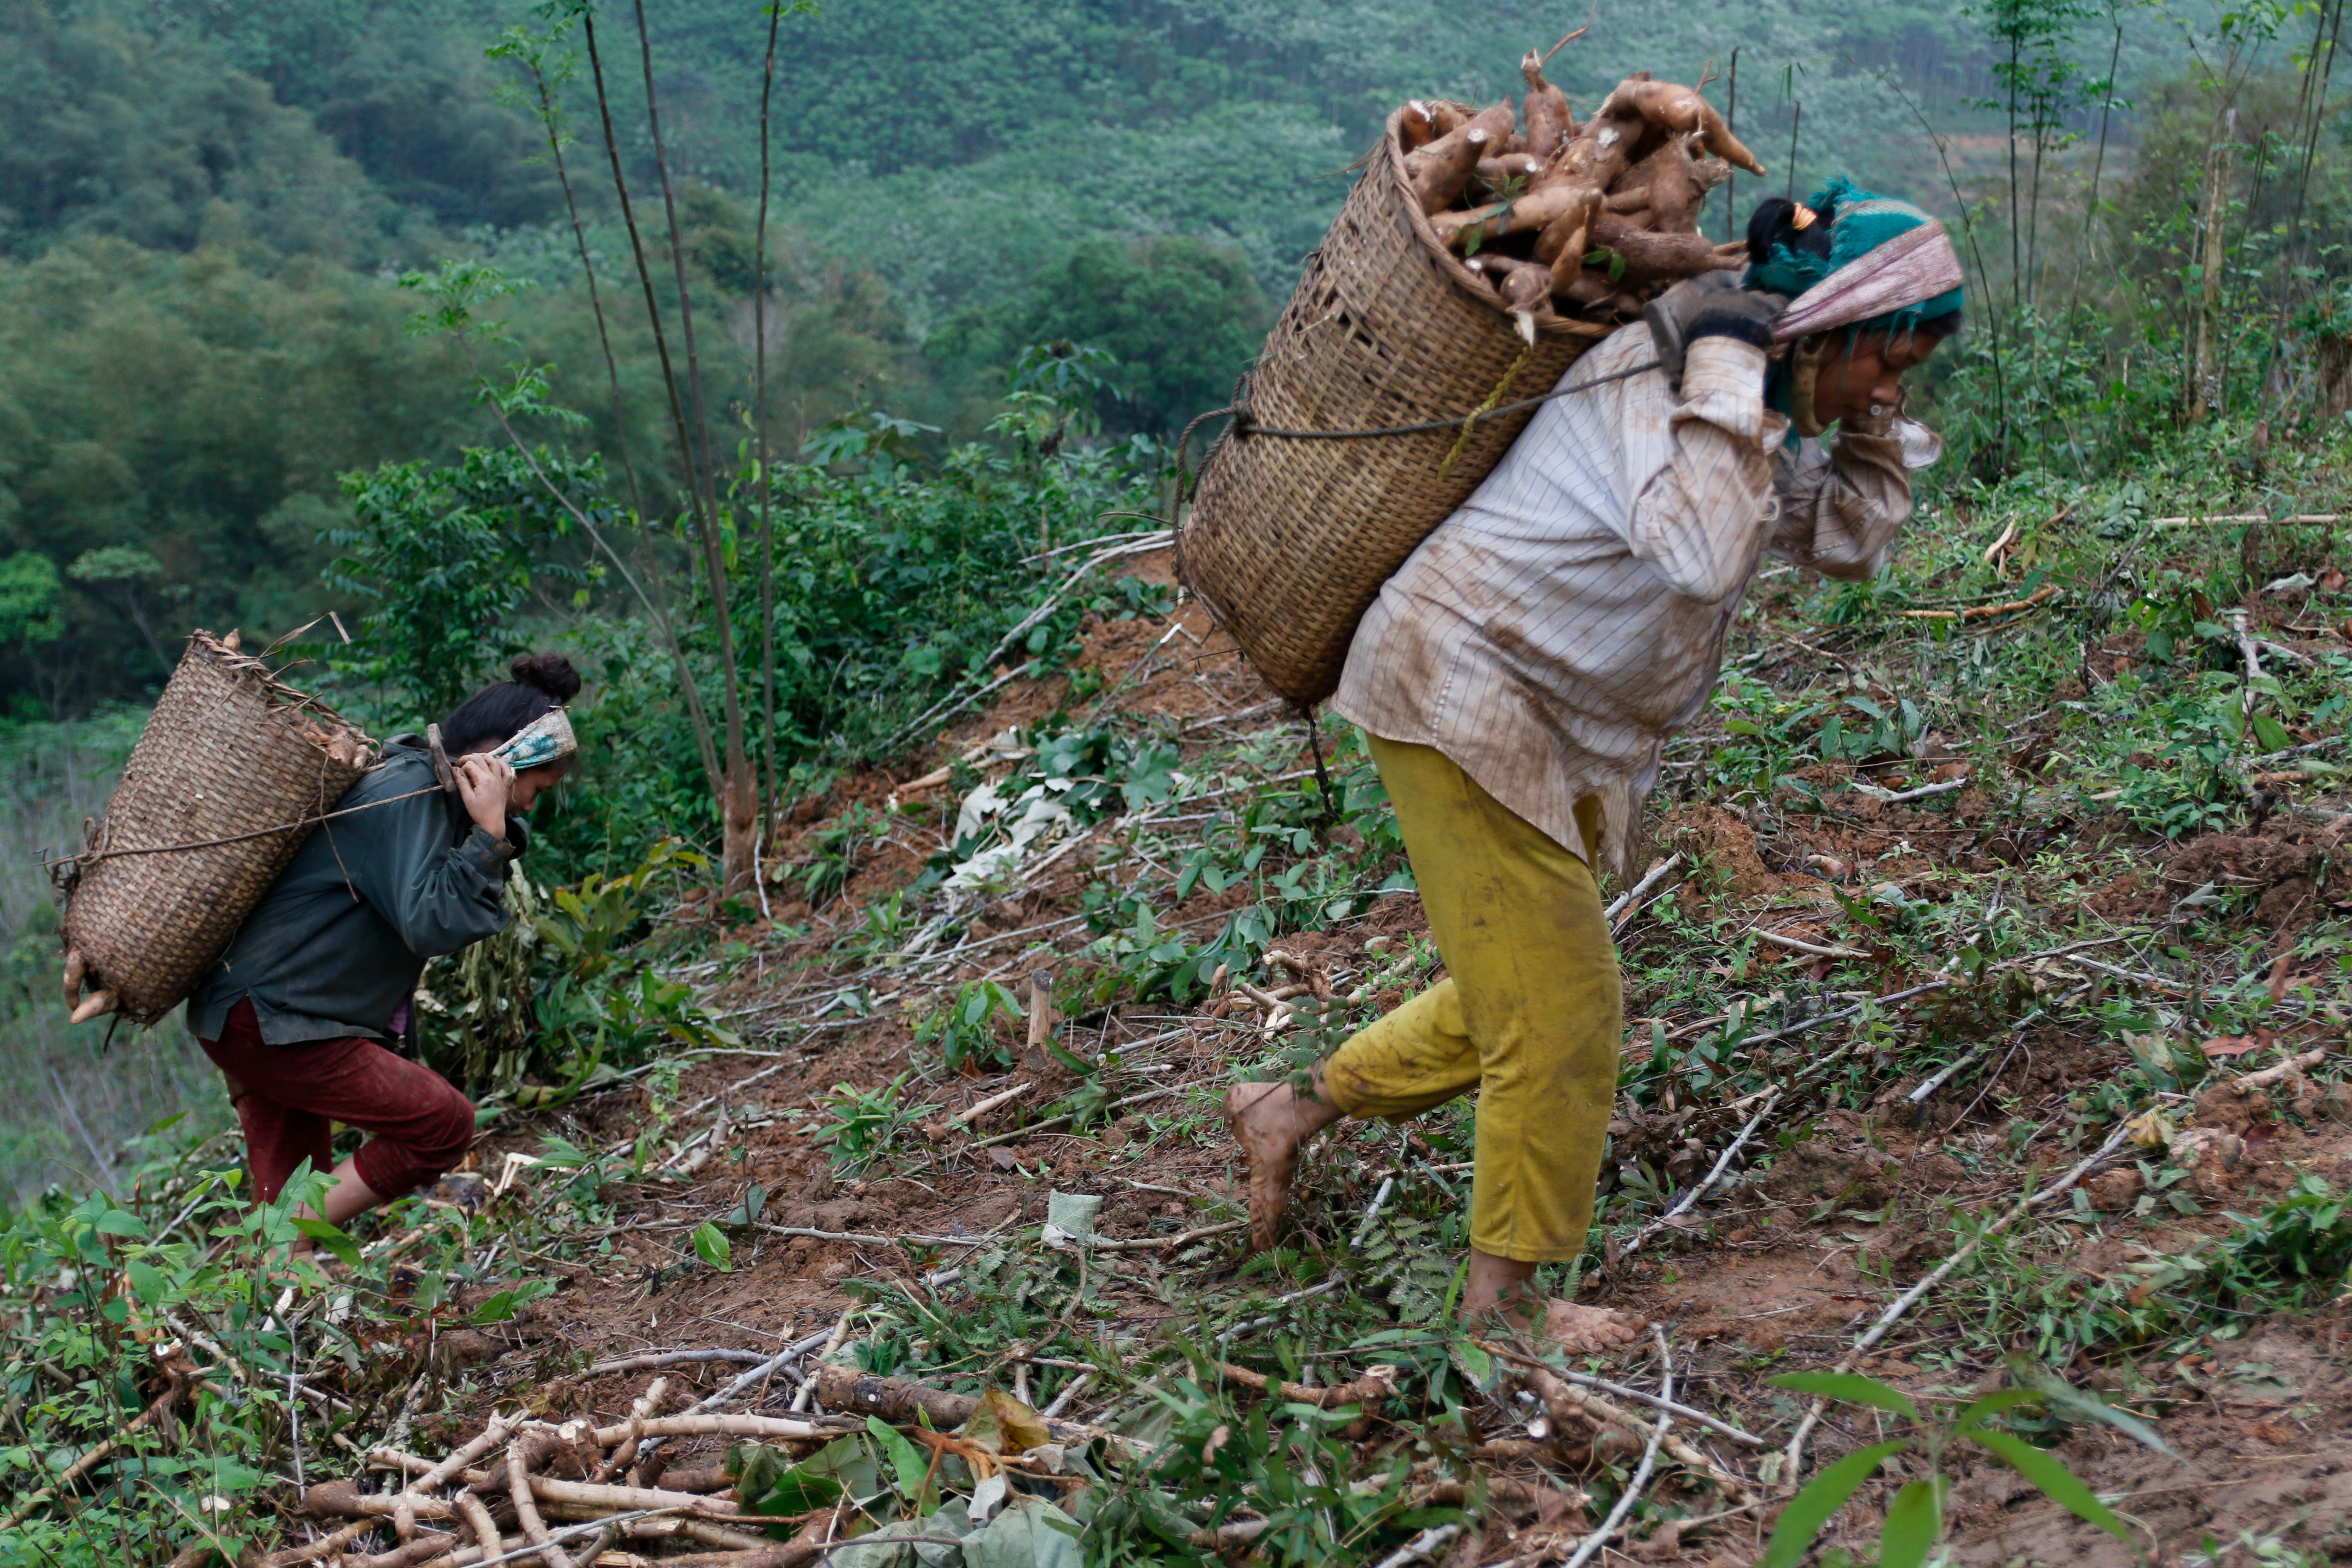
1852, 1387
1914, 1522
122, 1222
1826, 1493
2058, 1391
767, 1482
1030, 1533
507, 1303
710, 1244
849, 1461
914, 1468
331, 1237
148, 1280
497, 1310
229, 1476
2058, 1483
1993, 1404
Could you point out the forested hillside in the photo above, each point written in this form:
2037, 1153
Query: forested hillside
204, 208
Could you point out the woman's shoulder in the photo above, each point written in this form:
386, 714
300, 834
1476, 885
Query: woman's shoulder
406, 769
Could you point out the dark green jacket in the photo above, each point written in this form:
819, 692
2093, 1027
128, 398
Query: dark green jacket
336, 944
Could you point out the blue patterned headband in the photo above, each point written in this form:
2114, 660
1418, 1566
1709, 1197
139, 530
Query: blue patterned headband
544, 739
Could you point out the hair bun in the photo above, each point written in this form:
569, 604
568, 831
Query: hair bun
1774, 223
549, 672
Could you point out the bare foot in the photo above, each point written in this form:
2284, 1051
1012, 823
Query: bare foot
1271, 1122
1589, 1330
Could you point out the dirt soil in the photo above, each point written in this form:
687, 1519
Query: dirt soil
1856, 1202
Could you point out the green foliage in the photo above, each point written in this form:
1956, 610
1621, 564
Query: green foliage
474, 1012
102, 131
831, 852
971, 1032
560, 999
710, 1245
96, 1286
195, 410
858, 1126
30, 591
2296, 1252
447, 556
1914, 1521
591, 923
1173, 321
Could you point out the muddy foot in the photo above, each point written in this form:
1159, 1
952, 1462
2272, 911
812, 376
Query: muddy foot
1266, 1124
1589, 1330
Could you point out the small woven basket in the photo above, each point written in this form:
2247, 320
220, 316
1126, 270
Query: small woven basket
230, 753
1289, 541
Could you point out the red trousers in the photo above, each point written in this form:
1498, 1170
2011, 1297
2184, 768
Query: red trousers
287, 1098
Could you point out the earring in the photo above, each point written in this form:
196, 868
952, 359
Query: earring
1804, 377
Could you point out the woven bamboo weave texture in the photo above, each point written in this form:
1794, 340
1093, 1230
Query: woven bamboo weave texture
1289, 541
228, 751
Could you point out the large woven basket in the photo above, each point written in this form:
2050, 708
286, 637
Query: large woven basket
1289, 541
230, 754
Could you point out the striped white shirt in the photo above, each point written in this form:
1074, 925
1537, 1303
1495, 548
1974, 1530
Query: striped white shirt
1551, 634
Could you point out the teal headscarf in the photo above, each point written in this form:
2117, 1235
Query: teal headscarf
544, 739
1863, 227
1890, 267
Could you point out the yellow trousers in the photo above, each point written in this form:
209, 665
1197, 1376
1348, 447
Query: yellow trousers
1529, 1014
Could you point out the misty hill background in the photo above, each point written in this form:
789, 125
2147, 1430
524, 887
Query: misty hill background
203, 207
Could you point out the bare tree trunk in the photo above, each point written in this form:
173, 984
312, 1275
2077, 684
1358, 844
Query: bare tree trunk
2205, 390
550, 119
767, 482
738, 796
2016, 252
697, 716
2098, 164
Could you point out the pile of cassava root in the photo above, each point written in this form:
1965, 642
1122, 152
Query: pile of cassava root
1569, 222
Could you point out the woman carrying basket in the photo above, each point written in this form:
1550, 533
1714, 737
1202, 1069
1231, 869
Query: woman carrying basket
326, 966
1519, 674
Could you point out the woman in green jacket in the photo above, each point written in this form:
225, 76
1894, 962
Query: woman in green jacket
324, 970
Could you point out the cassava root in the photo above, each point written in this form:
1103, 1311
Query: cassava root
1572, 223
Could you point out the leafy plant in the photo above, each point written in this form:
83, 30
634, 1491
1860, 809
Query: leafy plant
1915, 1518
2301, 1243
858, 1126
967, 1031
447, 556
834, 851
474, 1012
590, 922
189, 1299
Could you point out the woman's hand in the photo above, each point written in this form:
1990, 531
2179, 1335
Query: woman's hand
485, 784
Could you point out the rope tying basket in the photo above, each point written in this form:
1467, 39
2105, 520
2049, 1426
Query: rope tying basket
232, 773
1290, 540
